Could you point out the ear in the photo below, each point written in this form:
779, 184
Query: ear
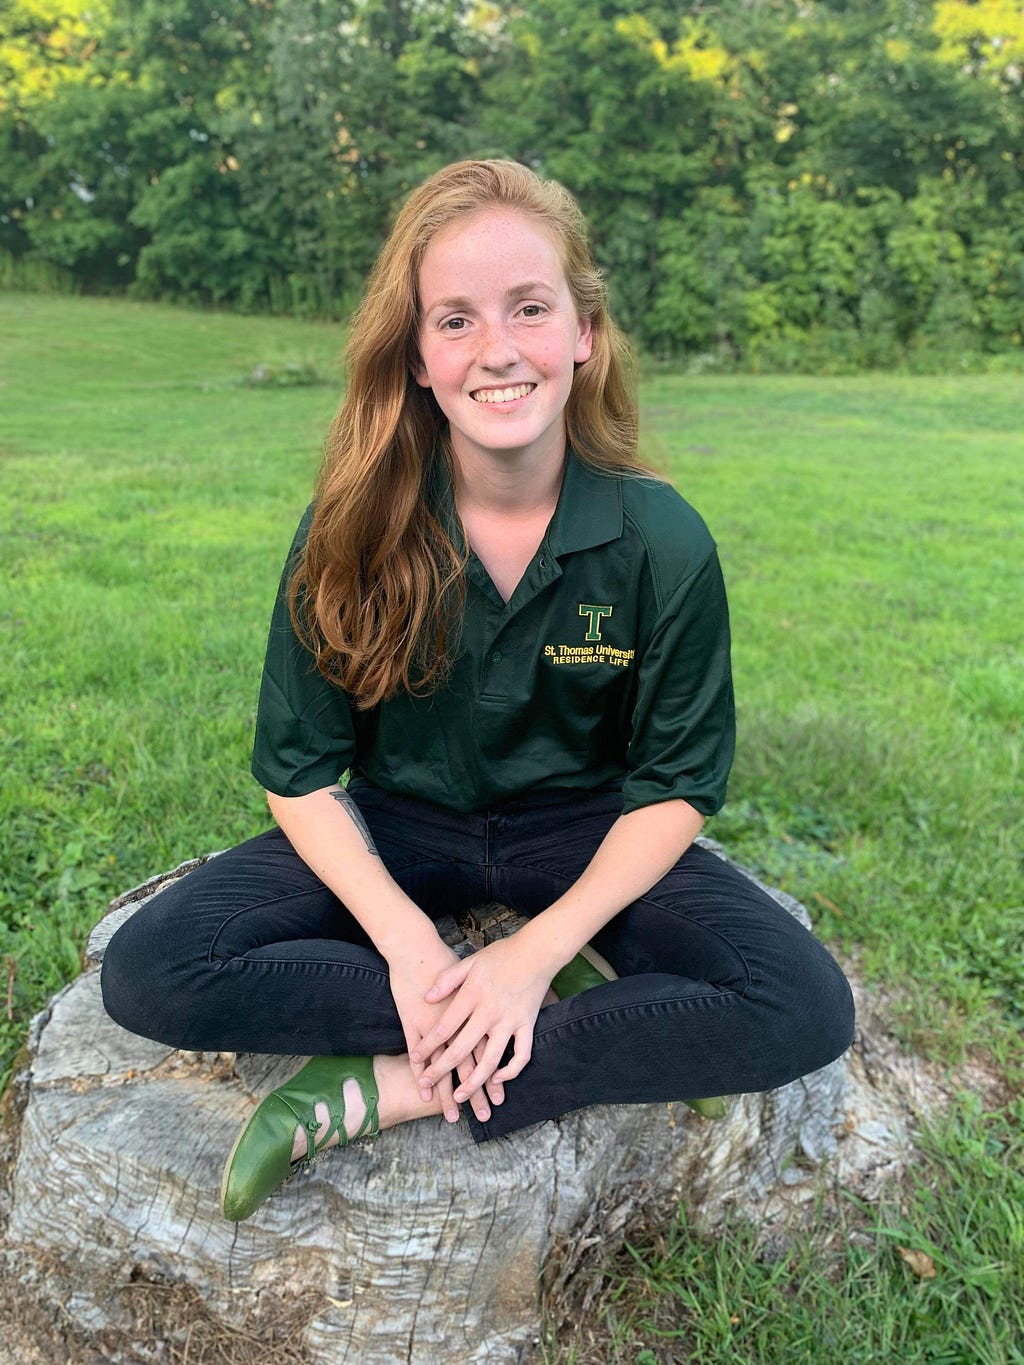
584, 341
419, 372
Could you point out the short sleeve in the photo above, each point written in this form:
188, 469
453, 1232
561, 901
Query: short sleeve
305, 738
684, 721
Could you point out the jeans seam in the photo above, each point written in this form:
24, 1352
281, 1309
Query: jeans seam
722, 995
350, 969
395, 871
247, 910
649, 900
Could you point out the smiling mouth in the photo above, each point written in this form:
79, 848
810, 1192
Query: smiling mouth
502, 395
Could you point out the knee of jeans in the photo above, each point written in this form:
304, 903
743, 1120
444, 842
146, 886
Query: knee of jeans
135, 983
826, 1016
806, 1014
843, 1014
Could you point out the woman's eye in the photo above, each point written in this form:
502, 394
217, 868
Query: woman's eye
453, 324
532, 310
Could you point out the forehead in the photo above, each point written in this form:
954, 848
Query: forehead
491, 246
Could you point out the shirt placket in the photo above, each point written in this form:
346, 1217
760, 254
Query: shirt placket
504, 639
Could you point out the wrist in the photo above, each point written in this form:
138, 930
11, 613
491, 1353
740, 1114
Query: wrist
548, 944
402, 932
410, 937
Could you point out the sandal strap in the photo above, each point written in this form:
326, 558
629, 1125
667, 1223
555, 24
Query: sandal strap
309, 1123
370, 1124
304, 1092
311, 1128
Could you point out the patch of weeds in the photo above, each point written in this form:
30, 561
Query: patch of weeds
291, 375
935, 1275
868, 825
992, 689
960, 1232
993, 958
52, 889
788, 849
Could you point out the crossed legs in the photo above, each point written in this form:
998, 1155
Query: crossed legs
720, 989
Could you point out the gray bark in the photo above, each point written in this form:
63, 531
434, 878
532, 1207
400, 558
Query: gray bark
417, 1247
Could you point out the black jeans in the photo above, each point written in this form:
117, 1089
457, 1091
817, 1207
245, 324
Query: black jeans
720, 990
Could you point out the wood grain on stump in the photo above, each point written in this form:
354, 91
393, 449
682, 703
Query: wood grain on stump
417, 1247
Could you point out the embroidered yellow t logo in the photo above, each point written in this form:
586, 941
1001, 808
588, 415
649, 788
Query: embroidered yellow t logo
594, 614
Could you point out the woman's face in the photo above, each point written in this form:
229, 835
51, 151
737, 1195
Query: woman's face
499, 336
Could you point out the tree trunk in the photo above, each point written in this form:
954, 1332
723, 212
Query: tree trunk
417, 1247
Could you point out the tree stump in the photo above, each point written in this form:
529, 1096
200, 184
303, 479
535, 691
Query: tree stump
417, 1247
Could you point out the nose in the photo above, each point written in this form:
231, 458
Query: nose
498, 349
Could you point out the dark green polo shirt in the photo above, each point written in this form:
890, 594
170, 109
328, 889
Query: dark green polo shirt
608, 667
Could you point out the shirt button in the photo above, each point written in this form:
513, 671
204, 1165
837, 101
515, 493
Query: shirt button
543, 563
497, 657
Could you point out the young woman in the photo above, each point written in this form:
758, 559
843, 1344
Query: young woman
515, 641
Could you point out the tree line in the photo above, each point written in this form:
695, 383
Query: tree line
768, 182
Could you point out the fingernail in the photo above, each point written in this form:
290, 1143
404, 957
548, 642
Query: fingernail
452, 1115
415, 1056
460, 1095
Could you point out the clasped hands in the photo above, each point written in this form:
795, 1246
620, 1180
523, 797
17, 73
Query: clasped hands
464, 1020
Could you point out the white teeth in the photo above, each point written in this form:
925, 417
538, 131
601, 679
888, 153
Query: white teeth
502, 395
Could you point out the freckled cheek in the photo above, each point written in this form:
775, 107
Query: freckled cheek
547, 359
446, 373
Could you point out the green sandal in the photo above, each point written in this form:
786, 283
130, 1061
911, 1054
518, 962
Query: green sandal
261, 1158
714, 1107
577, 976
580, 975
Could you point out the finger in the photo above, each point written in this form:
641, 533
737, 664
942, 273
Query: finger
521, 1054
411, 1044
447, 981
449, 1058
482, 1071
495, 1090
418, 1069
462, 1028
476, 1099
444, 1093
427, 1086
446, 1028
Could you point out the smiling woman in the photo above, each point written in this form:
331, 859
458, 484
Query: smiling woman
515, 641
499, 342
500, 357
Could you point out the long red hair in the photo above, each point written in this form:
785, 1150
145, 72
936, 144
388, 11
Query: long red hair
380, 582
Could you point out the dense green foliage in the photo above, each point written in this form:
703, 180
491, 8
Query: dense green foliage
788, 184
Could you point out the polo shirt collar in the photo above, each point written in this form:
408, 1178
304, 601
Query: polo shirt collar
589, 509
588, 512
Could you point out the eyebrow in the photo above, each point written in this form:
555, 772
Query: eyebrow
517, 291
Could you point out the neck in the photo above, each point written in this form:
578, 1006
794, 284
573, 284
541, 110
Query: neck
510, 482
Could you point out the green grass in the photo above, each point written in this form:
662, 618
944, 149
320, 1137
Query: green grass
148, 499
845, 1289
871, 530
873, 537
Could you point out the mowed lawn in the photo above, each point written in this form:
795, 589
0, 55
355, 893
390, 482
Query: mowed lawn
872, 532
